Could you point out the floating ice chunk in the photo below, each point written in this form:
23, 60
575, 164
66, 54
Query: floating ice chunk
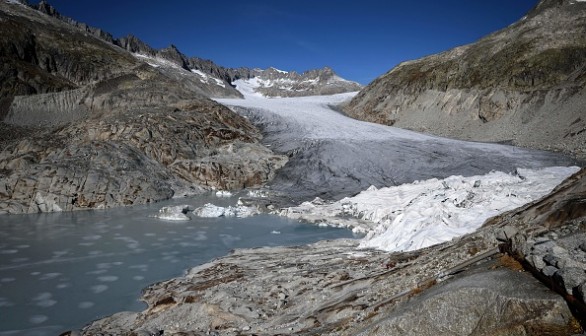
43, 296
97, 289
108, 278
63, 285
85, 305
44, 300
8, 251
5, 303
46, 303
49, 276
223, 193
210, 211
38, 319
257, 194
174, 213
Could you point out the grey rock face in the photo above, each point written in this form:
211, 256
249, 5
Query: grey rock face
459, 307
552, 231
134, 45
81, 132
523, 85
133, 159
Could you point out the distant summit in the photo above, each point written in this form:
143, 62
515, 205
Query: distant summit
214, 80
273, 82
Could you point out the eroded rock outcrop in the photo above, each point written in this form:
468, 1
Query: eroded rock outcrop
88, 125
132, 160
462, 287
523, 84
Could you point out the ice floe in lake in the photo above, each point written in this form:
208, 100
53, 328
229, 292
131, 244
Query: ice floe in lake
210, 210
424, 213
97, 289
38, 319
108, 278
223, 193
257, 194
85, 305
174, 213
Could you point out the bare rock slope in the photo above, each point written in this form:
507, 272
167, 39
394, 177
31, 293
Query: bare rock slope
87, 124
461, 287
523, 85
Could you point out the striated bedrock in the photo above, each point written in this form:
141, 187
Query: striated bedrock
86, 124
132, 159
462, 287
523, 84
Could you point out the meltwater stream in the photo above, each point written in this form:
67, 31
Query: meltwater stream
60, 271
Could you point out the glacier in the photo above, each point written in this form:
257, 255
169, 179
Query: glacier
424, 213
404, 190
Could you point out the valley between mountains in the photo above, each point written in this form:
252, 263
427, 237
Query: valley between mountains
461, 172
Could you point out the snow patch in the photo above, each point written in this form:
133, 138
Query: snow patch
210, 211
284, 72
15, 2
205, 78
425, 213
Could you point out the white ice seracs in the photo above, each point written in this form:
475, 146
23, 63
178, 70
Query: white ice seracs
421, 214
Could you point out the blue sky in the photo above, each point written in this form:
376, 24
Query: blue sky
359, 39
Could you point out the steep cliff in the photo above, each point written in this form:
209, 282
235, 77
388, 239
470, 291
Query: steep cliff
523, 85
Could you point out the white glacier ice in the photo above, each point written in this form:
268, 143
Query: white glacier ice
424, 213
210, 210
173, 213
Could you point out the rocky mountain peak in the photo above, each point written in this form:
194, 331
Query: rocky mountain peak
172, 53
134, 45
47, 8
273, 82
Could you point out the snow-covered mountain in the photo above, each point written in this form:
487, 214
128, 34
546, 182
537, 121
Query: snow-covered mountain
278, 83
209, 78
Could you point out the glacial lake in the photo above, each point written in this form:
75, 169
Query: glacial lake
60, 271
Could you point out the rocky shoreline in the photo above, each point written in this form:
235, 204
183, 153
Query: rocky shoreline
464, 287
